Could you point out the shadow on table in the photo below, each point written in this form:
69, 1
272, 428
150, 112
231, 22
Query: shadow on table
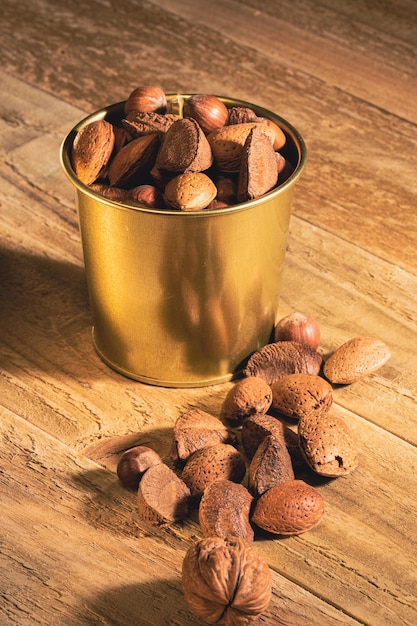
160, 603
44, 314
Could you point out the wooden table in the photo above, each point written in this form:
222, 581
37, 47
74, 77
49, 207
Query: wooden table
73, 548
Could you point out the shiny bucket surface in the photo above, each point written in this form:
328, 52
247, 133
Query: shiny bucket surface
181, 299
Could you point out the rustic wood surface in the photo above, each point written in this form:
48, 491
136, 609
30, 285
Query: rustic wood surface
73, 548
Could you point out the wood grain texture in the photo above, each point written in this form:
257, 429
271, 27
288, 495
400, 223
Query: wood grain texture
73, 548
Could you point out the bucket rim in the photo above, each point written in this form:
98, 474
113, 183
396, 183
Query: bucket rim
111, 111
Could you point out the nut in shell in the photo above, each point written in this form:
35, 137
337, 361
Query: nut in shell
248, 396
91, 150
297, 395
216, 462
191, 191
289, 508
225, 582
356, 359
224, 511
281, 358
327, 444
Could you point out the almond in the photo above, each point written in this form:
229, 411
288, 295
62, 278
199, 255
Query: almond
289, 508
91, 150
281, 358
296, 395
194, 430
248, 396
270, 466
356, 359
133, 161
224, 511
327, 444
191, 191
217, 462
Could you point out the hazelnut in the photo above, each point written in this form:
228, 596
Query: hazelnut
298, 327
209, 111
147, 195
133, 464
146, 99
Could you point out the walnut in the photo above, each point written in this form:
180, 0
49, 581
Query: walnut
226, 582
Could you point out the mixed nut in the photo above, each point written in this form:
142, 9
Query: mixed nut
240, 472
200, 155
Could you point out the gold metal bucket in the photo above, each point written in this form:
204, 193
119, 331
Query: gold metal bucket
181, 299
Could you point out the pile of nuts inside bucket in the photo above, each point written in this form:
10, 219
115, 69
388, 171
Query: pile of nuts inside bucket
239, 470
204, 156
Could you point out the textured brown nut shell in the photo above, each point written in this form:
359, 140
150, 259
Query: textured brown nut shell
184, 148
327, 444
289, 508
248, 396
296, 395
91, 150
258, 167
134, 463
163, 498
256, 427
133, 161
194, 430
355, 359
191, 191
217, 462
281, 358
140, 123
224, 511
227, 144
270, 466
225, 582
241, 115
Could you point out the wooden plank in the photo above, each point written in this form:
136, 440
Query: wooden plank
318, 41
74, 551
